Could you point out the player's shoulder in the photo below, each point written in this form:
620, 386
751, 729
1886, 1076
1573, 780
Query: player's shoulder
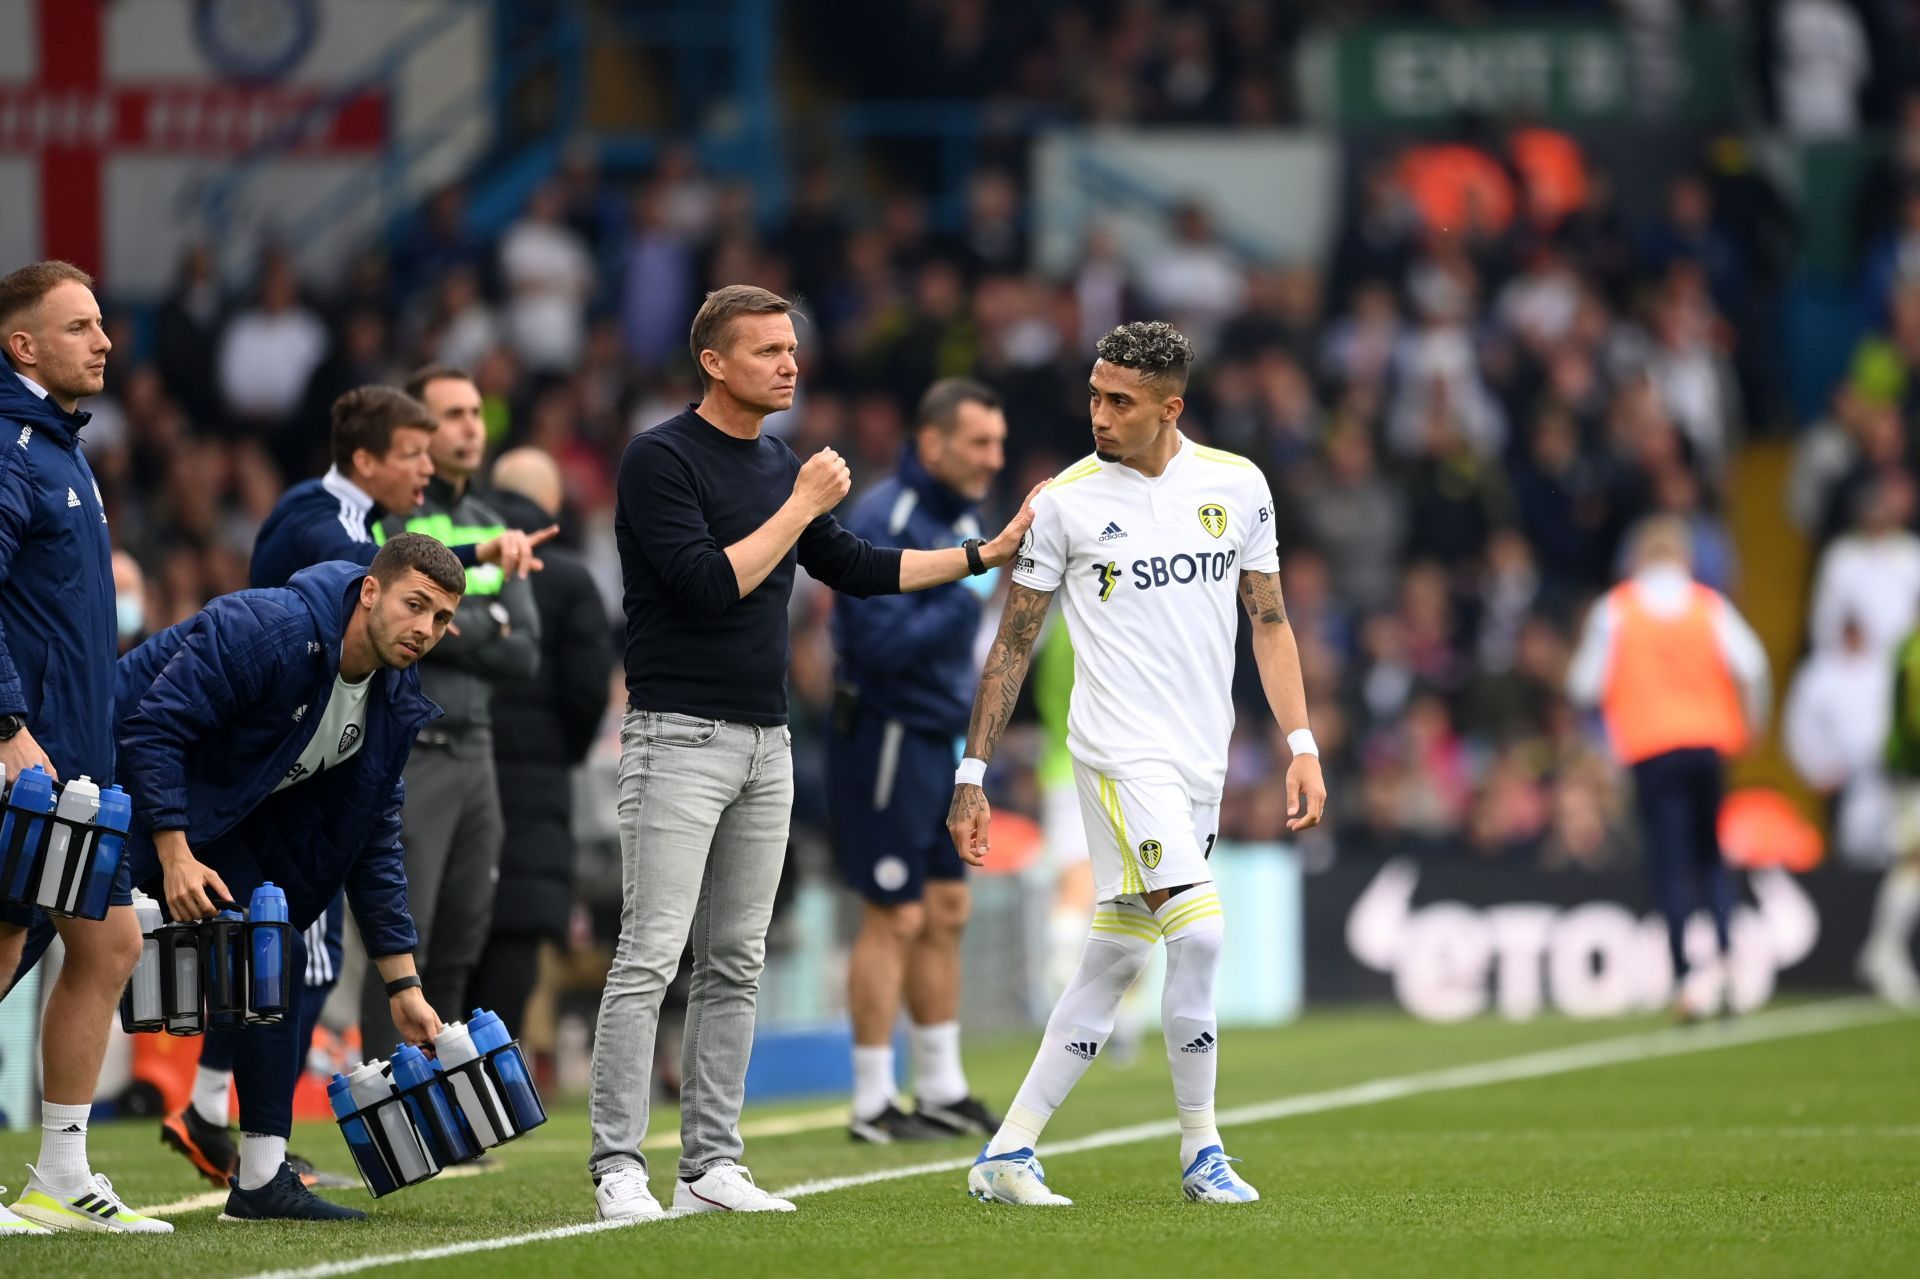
1086, 468
1213, 460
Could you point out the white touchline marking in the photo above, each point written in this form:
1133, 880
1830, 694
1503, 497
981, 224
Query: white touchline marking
1812, 1019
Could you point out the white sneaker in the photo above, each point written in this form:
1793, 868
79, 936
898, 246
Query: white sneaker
95, 1208
622, 1195
11, 1225
1210, 1179
725, 1188
1013, 1178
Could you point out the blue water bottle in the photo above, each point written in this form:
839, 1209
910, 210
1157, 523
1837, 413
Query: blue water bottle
365, 1154
109, 845
269, 978
432, 1117
20, 834
490, 1033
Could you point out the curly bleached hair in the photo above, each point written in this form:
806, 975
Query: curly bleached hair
1160, 352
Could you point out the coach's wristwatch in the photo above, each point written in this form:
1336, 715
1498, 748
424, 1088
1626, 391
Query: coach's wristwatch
11, 726
975, 565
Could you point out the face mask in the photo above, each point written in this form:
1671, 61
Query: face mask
131, 615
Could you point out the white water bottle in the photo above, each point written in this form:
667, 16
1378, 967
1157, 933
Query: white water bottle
368, 1083
63, 874
143, 999
479, 1101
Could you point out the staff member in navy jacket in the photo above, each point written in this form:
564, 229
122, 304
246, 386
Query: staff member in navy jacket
263, 739
57, 646
907, 677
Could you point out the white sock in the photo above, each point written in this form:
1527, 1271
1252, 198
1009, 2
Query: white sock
63, 1148
1116, 951
938, 1077
1194, 928
872, 1080
1197, 1132
1896, 908
212, 1094
260, 1158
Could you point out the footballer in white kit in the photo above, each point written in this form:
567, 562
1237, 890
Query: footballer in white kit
1150, 541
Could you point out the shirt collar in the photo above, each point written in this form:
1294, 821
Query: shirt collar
346, 490
38, 390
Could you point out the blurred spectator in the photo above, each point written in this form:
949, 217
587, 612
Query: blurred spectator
269, 350
548, 275
1358, 518
130, 601
1870, 577
1821, 69
186, 328
1195, 282
1834, 725
658, 283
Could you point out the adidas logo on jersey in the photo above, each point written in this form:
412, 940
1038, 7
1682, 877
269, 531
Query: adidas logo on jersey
1204, 1044
73, 498
1083, 1050
1112, 532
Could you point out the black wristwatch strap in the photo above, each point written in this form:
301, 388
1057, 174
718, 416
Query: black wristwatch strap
398, 984
10, 726
975, 565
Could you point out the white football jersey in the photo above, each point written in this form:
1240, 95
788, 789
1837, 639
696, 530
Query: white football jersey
1148, 573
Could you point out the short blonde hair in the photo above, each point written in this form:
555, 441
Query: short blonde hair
717, 314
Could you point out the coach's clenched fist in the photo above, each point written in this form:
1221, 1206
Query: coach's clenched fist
822, 482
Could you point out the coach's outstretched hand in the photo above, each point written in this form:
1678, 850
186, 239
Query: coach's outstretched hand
1306, 793
967, 820
513, 551
1001, 549
823, 480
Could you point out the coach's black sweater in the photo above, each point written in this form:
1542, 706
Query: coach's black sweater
687, 491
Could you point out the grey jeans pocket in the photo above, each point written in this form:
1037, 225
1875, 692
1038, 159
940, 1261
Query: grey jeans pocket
670, 729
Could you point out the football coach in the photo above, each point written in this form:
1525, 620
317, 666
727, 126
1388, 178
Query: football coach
712, 517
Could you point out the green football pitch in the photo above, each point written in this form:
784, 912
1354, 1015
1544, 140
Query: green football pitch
1787, 1143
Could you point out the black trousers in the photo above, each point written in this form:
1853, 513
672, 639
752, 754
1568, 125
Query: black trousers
503, 983
1679, 796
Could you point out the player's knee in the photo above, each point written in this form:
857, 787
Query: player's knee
949, 907
901, 922
104, 952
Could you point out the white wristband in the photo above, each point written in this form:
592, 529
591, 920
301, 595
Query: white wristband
972, 772
1300, 742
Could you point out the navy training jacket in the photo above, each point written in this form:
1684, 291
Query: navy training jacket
57, 635
911, 656
215, 710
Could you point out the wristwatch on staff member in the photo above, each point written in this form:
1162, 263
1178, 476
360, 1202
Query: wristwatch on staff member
975, 564
11, 726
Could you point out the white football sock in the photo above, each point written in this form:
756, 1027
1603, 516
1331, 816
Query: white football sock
938, 1077
1117, 949
212, 1094
1896, 908
1195, 930
63, 1148
872, 1080
260, 1158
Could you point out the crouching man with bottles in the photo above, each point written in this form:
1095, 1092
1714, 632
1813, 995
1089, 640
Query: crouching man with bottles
262, 741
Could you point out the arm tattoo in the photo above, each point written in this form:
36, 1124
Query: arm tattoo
1260, 595
1006, 668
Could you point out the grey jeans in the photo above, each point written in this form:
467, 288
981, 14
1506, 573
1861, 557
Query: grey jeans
704, 807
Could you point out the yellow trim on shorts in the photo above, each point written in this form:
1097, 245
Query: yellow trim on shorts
1205, 907
1113, 921
1131, 880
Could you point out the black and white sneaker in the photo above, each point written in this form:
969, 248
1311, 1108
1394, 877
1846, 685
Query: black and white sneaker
894, 1124
967, 1117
